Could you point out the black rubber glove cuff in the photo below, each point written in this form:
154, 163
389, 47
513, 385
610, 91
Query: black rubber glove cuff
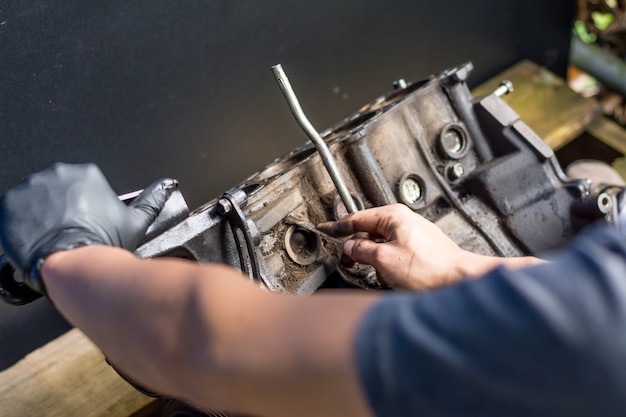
65, 240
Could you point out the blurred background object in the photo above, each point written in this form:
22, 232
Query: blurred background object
599, 49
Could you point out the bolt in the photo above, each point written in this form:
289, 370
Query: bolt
224, 206
455, 172
400, 84
604, 202
506, 87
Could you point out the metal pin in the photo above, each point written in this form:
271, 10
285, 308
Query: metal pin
505, 87
400, 84
303, 121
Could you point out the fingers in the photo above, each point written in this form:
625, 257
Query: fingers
151, 201
363, 251
376, 221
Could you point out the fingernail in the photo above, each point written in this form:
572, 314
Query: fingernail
347, 247
323, 225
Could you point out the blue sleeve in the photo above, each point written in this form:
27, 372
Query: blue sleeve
542, 341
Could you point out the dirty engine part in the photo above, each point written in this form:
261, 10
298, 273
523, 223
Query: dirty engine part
468, 164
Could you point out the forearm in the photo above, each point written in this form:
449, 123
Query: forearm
456, 267
204, 334
476, 266
124, 306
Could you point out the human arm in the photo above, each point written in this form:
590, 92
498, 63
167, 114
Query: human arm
195, 332
203, 334
410, 252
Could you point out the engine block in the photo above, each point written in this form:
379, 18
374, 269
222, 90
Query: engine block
468, 164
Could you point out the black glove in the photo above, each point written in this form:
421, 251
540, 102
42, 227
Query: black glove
68, 206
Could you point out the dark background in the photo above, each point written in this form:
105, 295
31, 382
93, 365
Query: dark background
157, 88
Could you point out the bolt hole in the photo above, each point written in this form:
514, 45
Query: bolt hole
453, 141
303, 246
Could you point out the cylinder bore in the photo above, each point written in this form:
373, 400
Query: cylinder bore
453, 141
303, 246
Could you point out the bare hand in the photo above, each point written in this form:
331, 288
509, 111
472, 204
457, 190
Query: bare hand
413, 253
410, 252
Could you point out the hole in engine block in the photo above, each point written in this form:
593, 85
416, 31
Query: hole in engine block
303, 246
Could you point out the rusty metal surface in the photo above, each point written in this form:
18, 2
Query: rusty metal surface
495, 188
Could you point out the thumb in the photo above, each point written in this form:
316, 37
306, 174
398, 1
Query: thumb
363, 251
150, 202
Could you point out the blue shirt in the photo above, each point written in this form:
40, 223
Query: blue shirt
548, 340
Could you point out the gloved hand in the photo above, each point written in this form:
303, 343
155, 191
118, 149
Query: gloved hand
68, 206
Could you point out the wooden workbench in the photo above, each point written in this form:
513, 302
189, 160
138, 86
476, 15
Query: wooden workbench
65, 378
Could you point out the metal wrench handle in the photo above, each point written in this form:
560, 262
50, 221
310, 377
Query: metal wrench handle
303, 121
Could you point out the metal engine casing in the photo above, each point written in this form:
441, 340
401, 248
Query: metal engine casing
468, 164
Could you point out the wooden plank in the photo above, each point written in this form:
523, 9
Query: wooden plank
613, 135
544, 102
608, 132
65, 378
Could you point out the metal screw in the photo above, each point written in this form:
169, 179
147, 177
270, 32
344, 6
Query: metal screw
456, 171
506, 87
400, 84
224, 206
